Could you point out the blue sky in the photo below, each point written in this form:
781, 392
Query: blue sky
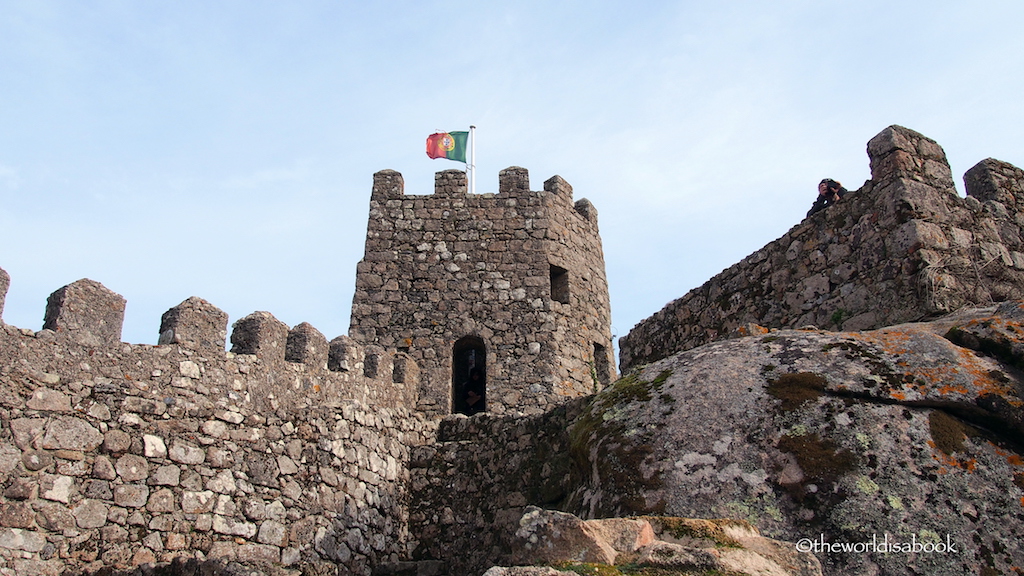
226, 149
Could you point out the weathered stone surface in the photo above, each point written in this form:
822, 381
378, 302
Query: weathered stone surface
810, 434
166, 476
5, 283
34, 460
132, 468
675, 544
10, 457
198, 502
56, 488
70, 434
16, 515
349, 473
306, 345
103, 469
231, 526
49, 400
527, 571
161, 501
86, 312
131, 495
186, 453
90, 514
154, 446
196, 324
116, 441
22, 489
903, 247
261, 334
547, 537
273, 533
54, 516
17, 539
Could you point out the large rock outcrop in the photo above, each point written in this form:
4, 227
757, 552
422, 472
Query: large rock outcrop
654, 545
909, 436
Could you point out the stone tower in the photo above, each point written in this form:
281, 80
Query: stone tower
502, 293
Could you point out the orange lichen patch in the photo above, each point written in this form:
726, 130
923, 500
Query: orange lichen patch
751, 330
950, 461
1012, 458
891, 341
898, 395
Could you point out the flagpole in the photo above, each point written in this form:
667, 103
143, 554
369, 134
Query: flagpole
472, 159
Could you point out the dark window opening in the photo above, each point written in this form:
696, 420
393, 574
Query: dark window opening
602, 367
469, 376
559, 284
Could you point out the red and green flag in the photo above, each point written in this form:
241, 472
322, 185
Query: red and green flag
448, 145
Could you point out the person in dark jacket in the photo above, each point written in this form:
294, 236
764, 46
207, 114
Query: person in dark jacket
829, 192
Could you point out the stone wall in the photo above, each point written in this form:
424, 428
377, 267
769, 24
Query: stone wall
520, 272
288, 449
470, 489
903, 247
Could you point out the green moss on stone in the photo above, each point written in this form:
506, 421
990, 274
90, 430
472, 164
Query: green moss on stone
689, 528
796, 389
621, 451
820, 459
948, 433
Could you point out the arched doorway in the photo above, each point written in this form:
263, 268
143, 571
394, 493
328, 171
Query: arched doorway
469, 376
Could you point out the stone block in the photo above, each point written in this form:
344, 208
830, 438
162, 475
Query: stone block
132, 468
450, 183
261, 334
17, 515
387, 184
131, 495
998, 181
18, 539
47, 400
586, 209
198, 502
86, 312
90, 514
306, 345
54, 516
513, 180
5, 283
899, 152
194, 324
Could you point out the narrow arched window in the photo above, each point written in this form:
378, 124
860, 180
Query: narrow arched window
469, 376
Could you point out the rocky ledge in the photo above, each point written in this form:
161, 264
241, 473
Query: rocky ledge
892, 451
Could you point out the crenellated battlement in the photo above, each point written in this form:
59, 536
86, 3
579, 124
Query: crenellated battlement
513, 183
89, 316
903, 247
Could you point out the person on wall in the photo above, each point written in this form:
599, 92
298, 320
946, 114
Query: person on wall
829, 192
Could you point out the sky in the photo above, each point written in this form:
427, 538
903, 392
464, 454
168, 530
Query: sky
226, 149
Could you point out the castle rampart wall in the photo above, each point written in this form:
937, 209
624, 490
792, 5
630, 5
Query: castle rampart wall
443, 267
903, 247
470, 489
288, 449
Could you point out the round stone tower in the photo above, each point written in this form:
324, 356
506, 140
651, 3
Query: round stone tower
501, 299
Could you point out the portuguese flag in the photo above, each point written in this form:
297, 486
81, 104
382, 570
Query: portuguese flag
449, 145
